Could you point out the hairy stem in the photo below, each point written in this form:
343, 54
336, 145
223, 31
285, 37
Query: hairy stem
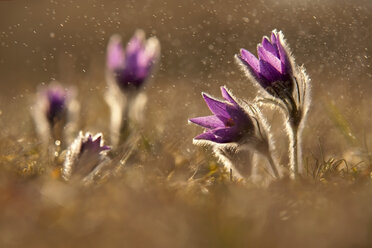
124, 127
273, 165
295, 151
223, 156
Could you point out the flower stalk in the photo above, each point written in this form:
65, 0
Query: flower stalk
294, 150
273, 165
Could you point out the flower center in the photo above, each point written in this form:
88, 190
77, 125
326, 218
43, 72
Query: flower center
229, 122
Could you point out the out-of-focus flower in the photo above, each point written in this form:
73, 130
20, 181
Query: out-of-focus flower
84, 155
127, 70
56, 97
234, 127
93, 145
55, 113
229, 122
132, 67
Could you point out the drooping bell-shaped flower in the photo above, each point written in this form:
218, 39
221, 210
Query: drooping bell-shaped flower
132, 66
84, 155
233, 126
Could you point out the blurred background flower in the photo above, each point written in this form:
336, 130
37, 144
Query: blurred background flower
132, 67
127, 71
55, 113
84, 156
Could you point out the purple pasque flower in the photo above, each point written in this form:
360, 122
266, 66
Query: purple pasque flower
56, 102
229, 122
132, 67
84, 155
55, 113
288, 83
272, 69
93, 145
234, 127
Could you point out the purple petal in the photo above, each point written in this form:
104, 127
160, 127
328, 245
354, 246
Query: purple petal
206, 136
134, 51
217, 107
269, 58
115, 53
238, 117
221, 135
97, 141
284, 59
260, 79
282, 53
270, 47
136, 43
227, 96
274, 39
93, 146
269, 72
211, 121
251, 60
226, 133
105, 148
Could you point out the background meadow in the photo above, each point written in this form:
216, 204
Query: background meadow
170, 193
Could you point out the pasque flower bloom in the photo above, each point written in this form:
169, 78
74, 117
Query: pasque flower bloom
93, 145
55, 113
132, 67
229, 122
127, 70
234, 126
287, 84
84, 155
56, 102
272, 69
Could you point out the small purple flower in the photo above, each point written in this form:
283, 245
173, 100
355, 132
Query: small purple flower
84, 155
229, 122
272, 69
93, 145
56, 98
55, 113
132, 67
